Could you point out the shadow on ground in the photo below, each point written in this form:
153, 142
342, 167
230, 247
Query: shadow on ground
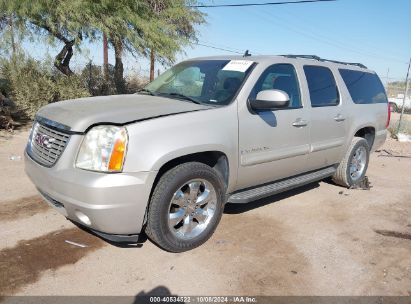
23, 264
22, 207
158, 292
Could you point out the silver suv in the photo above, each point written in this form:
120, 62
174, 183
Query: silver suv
206, 132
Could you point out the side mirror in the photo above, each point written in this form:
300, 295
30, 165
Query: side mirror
269, 100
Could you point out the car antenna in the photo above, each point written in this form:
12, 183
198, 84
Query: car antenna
247, 54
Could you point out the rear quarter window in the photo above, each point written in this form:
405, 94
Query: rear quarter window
322, 86
364, 87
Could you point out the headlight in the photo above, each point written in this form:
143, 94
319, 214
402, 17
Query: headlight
103, 149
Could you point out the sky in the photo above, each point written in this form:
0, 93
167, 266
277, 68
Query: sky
376, 33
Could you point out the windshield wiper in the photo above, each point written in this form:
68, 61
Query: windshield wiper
182, 96
147, 91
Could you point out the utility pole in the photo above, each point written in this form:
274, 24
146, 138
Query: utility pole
388, 79
105, 56
405, 96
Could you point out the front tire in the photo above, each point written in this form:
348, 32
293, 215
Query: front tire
351, 171
186, 207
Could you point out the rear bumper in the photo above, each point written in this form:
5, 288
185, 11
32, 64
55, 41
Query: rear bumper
379, 139
106, 203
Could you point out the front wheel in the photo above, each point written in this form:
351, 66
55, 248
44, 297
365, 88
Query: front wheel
351, 171
186, 207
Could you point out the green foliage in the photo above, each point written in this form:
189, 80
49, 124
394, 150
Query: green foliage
403, 128
399, 84
61, 20
69, 88
139, 27
395, 88
33, 84
97, 83
135, 26
163, 25
136, 82
4, 86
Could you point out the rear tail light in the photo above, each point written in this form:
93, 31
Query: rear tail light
389, 115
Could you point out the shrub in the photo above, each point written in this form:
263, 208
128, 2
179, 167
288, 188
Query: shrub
394, 130
33, 84
69, 88
96, 82
98, 85
136, 82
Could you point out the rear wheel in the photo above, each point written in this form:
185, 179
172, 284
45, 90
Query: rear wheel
186, 207
351, 171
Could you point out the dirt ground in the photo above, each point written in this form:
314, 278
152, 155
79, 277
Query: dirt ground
318, 240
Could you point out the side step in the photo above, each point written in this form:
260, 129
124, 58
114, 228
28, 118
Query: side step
249, 195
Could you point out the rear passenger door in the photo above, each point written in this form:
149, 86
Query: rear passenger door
327, 117
273, 144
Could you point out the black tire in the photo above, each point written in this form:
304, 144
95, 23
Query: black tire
342, 176
158, 229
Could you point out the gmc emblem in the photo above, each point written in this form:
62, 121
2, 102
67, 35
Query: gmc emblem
43, 140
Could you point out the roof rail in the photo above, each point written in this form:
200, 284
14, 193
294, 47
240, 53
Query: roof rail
303, 56
346, 63
314, 57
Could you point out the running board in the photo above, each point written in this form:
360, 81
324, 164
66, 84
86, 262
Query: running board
249, 195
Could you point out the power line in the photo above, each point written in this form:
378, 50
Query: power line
258, 4
345, 36
318, 38
224, 46
219, 48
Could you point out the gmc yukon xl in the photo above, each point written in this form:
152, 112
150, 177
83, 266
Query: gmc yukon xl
165, 160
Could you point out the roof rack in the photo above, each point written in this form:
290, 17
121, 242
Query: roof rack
314, 57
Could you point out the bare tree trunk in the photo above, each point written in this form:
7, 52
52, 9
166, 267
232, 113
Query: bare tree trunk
13, 42
62, 62
105, 55
118, 67
152, 63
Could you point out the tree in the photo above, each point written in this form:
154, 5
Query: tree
63, 21
139, 27
134, 26
7, 32
178, 20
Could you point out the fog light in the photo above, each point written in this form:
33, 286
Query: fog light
83, 218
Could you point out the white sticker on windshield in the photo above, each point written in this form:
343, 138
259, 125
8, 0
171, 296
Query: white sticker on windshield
238, 65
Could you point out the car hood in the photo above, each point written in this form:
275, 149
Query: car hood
79, 114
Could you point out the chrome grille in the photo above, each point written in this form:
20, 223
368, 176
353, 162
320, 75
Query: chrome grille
46, 144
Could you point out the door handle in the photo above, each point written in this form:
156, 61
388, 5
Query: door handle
339, 118
300, 123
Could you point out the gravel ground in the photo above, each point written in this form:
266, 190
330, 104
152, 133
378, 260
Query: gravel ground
318, 240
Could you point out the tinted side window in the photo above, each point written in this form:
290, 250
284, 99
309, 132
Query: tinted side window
322, 87
364, 87
279, 77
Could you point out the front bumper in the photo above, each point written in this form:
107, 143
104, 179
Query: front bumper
106, 203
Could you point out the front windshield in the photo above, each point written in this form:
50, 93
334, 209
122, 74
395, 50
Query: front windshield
214, 82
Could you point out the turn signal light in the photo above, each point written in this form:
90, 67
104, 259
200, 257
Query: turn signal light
118, 153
